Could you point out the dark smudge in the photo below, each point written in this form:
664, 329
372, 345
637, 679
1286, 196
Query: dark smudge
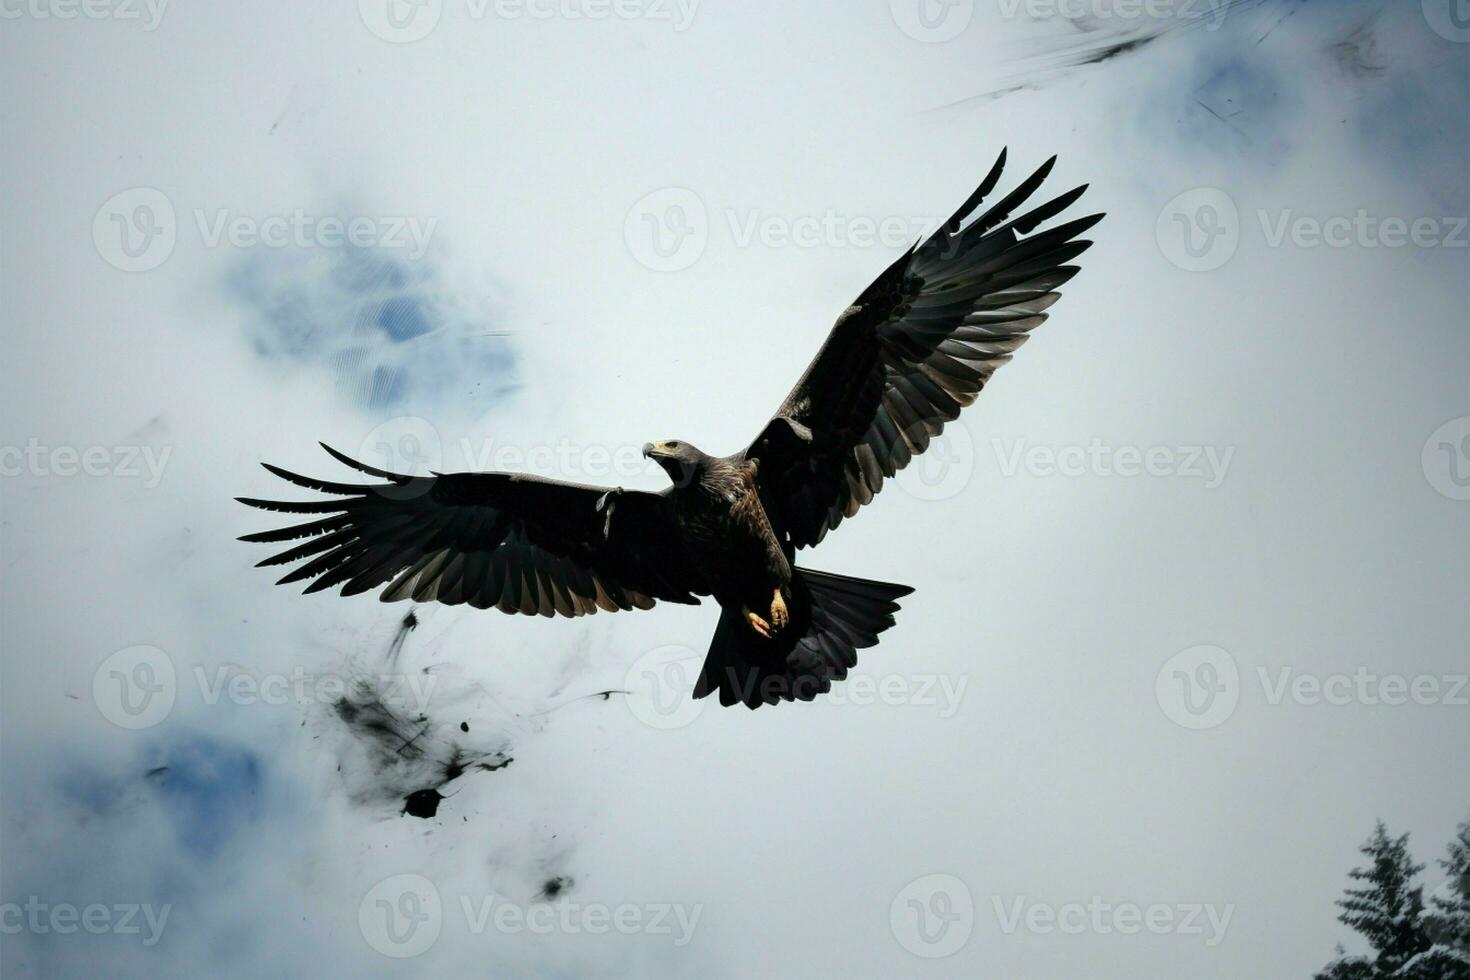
407, 757
555, 886
1094, 41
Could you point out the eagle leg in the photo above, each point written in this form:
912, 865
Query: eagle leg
779, 617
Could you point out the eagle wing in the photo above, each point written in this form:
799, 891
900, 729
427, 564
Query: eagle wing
915, 348
519, 543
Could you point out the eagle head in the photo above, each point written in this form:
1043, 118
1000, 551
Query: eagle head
682, 461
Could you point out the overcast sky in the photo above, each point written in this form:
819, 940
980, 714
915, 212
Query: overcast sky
1190, 607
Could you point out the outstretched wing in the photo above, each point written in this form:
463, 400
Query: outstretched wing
915, 348
519, 543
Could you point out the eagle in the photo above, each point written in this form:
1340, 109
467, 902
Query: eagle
913, 350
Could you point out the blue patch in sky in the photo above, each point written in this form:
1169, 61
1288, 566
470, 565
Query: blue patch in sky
402, 318
210, 788
390, 335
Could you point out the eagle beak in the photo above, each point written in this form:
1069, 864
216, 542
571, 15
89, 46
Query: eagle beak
648, 450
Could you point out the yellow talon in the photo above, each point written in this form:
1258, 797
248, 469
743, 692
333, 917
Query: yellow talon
779, 616
756, 623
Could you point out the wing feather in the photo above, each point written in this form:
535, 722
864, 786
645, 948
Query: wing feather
520, 543
916, 347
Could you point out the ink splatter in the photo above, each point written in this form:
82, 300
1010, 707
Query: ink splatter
423, 803
555, 886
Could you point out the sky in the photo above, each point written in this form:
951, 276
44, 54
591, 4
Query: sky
1190, 608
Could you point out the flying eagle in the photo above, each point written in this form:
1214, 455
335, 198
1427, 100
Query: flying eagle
910, 352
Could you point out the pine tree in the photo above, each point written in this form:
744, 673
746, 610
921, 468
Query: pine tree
1448, 915
1387, 905
1348, 968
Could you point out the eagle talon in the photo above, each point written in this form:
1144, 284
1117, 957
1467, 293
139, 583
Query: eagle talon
759, 625
779, 616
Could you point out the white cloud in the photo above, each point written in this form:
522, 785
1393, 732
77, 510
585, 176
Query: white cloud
1054, 600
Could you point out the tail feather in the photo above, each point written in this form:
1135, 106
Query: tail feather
832, 617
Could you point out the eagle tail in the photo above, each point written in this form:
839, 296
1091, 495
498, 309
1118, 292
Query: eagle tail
832, 617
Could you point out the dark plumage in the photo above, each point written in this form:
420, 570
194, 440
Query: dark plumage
916, 347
